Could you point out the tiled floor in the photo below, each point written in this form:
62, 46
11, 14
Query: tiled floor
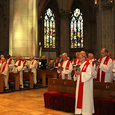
28, 102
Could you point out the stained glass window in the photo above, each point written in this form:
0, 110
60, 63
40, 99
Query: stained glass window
76, 27
49, 29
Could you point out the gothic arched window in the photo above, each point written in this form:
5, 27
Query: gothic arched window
49, 29
76, 27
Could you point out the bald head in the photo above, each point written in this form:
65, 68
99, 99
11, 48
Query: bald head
82, 58
1, 56
77, 54
31, 58
22, 58
83, 53
104, 52
90, 56
17, 57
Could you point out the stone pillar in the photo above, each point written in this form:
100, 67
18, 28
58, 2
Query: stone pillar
64, 33
23, 28
105, 27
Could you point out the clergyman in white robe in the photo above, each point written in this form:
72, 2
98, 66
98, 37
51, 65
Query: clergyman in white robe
87, 103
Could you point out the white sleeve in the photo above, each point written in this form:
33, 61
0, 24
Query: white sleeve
33, 65
20, 67
6, 70
68, 71
75, 77
94, 73
12, 64
108, 67
85, 76
113, 69
25, 67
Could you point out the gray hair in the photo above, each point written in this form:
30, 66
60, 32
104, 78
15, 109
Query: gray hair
84, 56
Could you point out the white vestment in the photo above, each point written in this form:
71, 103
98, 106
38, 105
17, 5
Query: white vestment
0, 65
87, 103
107, 69
18, 69
33, 67
76, 61
66, 71
10, 64
94, 69
113, 69
25, 69
5, 72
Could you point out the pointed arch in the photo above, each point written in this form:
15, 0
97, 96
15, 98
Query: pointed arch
76, 28
49, 29
53, 34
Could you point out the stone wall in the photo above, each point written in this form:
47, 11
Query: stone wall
4, 26
105, 27
23, 28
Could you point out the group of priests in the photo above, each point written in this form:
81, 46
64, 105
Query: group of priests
82, 69
19, 66
85, 70
103, 69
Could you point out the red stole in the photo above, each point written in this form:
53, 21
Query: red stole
66, 68
32, 64
4, 67
78, 62
80, 89
10, 60
19, 64
103, 73
75, 60
24, 63
87, 59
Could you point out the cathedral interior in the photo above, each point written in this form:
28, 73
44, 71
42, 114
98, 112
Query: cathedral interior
51, 27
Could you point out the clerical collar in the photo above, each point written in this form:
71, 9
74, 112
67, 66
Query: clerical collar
104, 57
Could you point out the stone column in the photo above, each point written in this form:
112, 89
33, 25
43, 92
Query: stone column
23, 28
105, 27
64, 33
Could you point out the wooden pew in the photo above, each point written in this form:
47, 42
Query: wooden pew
103, 89
100, 89
61, 85
1, 83
42, 75
14, 77
49, 73
28, 76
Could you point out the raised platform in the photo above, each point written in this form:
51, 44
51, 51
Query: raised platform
66, 102
61, 96
101, 89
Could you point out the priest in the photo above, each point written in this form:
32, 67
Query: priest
65, 73
4, 71
18, 65
84, 89
105, 65
32, 68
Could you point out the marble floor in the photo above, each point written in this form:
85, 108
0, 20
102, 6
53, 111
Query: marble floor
27, 102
